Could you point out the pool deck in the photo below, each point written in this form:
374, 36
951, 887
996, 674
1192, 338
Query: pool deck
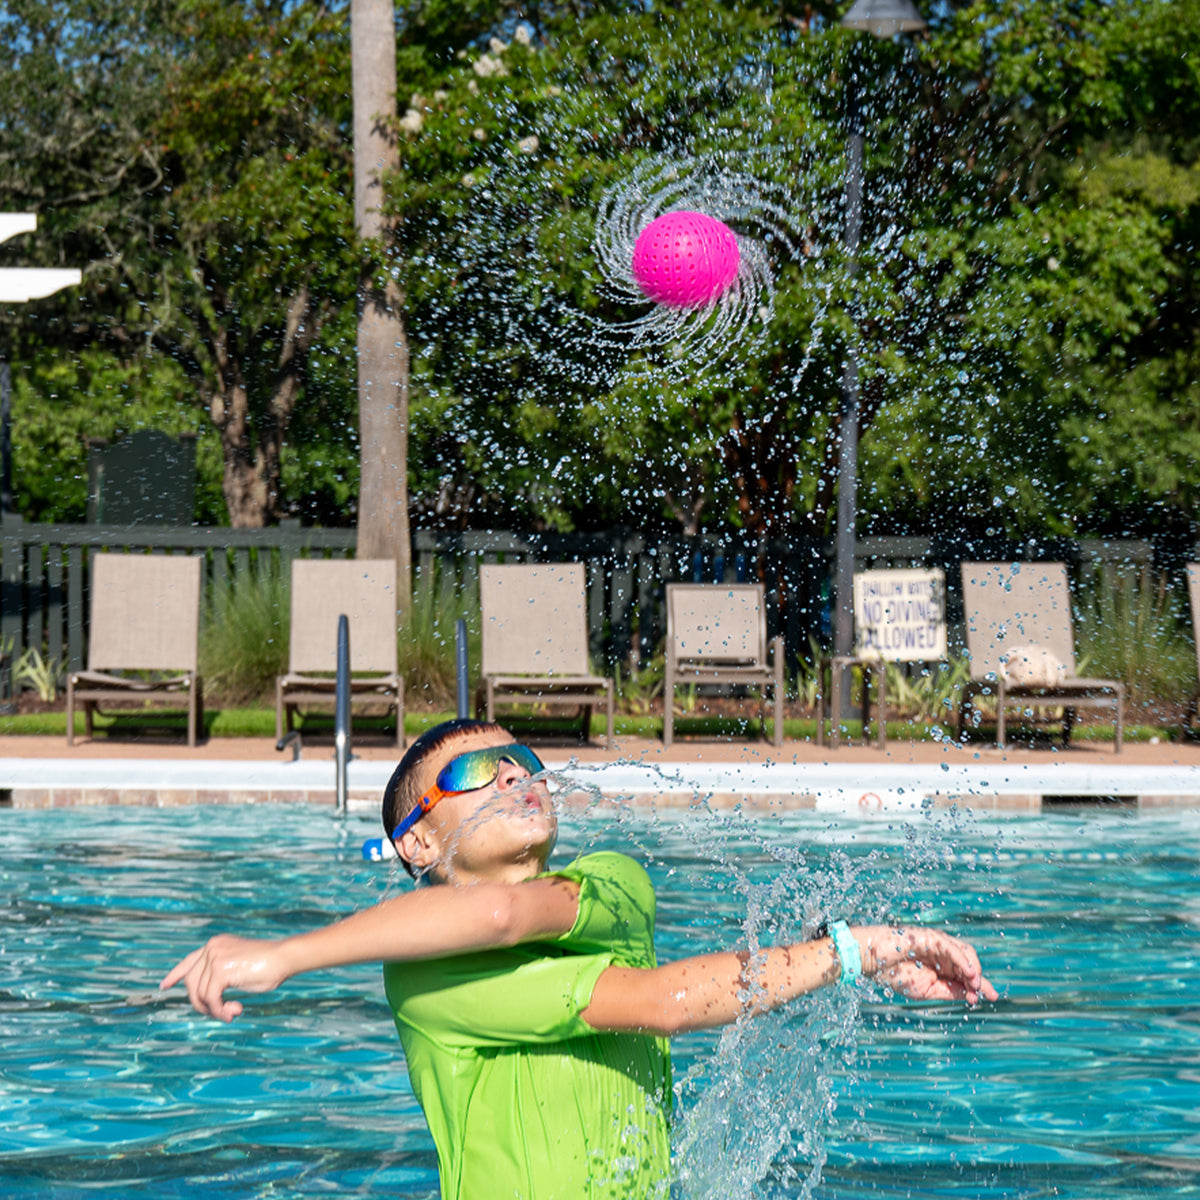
43, 772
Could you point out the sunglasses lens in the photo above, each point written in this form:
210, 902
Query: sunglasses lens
480, 767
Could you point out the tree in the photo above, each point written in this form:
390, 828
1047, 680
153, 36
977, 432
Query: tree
197, 157
257, 250
383, 366
1023, 270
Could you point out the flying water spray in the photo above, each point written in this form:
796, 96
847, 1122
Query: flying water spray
699, 242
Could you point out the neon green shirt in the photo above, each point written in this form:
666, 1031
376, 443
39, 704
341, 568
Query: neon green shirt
524, 1099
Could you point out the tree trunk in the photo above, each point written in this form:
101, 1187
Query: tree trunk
243, 481
300, 329
382, 340
252, 448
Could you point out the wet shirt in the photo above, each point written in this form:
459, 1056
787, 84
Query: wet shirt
523, 1098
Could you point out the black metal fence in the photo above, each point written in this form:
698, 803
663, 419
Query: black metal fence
44, 571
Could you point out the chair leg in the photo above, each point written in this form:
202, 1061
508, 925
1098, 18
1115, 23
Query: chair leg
1000, 701
610, 700
70, 711
191, 717
1068, 725
278, 710
837, 676
400, 715
1119, 739
778, 730
881, 702
820, 666
669, 704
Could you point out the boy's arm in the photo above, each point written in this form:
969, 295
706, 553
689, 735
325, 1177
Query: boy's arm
429, 923
715, 989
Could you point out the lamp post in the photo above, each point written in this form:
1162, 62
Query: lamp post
883, 19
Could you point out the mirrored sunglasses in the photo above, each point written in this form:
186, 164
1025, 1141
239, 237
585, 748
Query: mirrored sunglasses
466, 773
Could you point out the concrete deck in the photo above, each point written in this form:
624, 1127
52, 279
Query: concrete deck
45, 772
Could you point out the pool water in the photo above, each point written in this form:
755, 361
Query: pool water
1082, 1082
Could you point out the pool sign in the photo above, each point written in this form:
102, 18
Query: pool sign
900, 615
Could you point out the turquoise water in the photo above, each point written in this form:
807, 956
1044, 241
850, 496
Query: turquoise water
1083, 1081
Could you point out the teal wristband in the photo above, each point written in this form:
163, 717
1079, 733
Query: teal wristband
846, 948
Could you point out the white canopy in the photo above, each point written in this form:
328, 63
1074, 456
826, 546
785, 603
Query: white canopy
18, 284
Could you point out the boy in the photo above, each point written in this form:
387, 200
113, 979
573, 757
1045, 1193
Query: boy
530, 1007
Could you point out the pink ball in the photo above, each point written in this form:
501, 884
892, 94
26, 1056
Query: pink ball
685, 259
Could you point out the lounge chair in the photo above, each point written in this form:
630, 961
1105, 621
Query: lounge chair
535, 642
322, 590
1021, 645
145, 617
717, 634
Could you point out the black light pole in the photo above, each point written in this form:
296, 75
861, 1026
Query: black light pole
882, 18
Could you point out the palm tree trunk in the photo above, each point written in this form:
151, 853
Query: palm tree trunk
383, 361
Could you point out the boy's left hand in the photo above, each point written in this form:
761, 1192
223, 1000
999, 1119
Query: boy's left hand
924, 964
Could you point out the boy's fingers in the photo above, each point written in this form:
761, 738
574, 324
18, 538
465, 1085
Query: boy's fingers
179, 970
229, 1010
948, 969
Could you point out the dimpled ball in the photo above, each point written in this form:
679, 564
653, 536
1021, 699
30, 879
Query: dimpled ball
685, 259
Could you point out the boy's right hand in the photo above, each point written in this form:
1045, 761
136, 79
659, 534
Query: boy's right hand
226, 961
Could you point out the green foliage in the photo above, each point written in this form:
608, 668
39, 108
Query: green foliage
638, 687
505, 163
245, 629
61, 402
244, 634
42, 673
932, 694
1025, 291
196, 162
428, 642
1130, 627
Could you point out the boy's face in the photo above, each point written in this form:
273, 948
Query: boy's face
501, 833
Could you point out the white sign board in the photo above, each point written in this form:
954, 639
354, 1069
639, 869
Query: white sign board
900, 615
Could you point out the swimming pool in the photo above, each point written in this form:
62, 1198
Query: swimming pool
1084, 1081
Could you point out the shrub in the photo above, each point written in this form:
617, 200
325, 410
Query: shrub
244, 634
427, 645
1130, 626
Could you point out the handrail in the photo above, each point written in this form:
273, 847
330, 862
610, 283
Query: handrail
463, 674
342, 711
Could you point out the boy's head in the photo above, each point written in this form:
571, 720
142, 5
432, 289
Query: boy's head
498, 828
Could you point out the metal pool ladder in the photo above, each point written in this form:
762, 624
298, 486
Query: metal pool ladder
341, 711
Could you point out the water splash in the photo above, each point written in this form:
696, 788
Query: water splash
755, 1114
768, 228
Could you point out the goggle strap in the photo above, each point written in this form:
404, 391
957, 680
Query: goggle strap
414, 815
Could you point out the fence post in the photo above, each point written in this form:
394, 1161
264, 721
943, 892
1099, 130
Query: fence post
11, 590
75, 604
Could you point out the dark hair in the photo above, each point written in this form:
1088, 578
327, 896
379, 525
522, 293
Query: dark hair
401, 796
